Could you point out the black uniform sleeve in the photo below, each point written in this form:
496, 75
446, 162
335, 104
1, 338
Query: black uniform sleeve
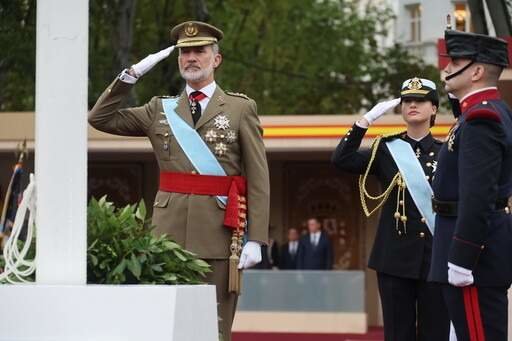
348, 156
482, 144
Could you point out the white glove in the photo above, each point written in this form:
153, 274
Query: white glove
453, 335
251, 255
459, 276
379, 109
147, 63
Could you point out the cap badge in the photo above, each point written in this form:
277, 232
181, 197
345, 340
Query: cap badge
191, 30
415, 84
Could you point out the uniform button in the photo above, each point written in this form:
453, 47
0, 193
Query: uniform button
422, 235
193, 172
429, 164
507, 210
484, 102
427, 177
431, 154
423, 220
166, 134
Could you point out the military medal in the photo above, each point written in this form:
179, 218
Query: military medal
221, 122
193, 107
220, 149
211, 136
230, 136
451, 136
434, 166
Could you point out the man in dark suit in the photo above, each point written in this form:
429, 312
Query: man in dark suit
288, 256
315, 250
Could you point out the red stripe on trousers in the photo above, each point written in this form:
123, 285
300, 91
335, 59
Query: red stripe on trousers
466, 292
476, 311
473, 316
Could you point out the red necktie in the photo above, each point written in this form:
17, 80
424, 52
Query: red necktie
195, 108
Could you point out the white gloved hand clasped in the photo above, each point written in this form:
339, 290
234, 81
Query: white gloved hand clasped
147, 63
459, 276
251, 255
379, 109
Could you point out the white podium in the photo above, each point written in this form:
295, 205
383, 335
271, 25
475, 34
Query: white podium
108, 313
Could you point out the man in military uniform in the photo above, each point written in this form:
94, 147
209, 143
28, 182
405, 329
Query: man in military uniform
404, 163
209, 147
472, 248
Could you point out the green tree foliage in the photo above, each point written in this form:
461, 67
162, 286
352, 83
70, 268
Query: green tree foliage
292, 57
17, 54
310, 56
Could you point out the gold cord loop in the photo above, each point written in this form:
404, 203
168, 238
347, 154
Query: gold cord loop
363, 193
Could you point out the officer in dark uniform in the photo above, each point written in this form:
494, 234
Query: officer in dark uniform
413, 309
472, 248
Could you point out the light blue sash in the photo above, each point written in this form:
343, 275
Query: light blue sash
192, 144
414, 178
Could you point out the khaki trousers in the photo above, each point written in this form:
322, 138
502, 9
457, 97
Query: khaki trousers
226, 302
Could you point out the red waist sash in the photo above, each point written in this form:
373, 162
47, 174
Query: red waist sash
233, 187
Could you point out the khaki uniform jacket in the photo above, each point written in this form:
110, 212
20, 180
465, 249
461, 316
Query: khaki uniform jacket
196, 221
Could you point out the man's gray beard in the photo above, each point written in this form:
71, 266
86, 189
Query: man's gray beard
197, 76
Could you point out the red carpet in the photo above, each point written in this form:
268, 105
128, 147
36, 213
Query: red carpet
374, 334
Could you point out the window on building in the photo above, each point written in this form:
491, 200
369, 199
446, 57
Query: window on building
414, 22
461, 16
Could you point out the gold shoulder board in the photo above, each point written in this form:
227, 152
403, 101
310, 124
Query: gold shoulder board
237, 94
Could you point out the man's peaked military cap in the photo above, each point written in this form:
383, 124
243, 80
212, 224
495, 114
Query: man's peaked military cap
195, 33
477, 47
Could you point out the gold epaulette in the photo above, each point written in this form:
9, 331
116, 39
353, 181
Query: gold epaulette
237, 94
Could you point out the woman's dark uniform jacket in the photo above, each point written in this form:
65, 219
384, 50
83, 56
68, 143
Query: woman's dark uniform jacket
404, 252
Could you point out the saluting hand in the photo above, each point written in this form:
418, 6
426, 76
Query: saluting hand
379, 109
149, 62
